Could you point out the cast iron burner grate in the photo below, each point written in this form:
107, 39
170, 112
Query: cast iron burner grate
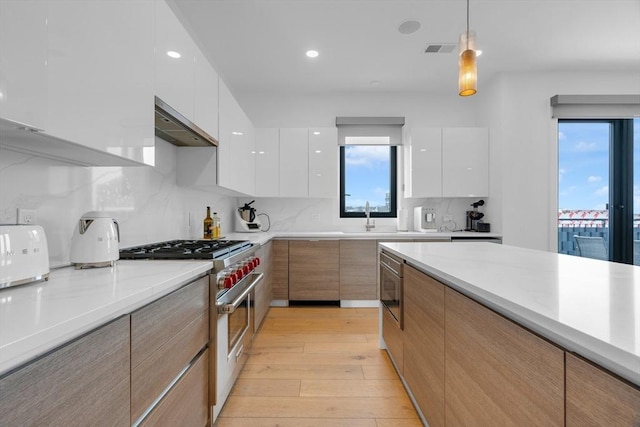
186, 249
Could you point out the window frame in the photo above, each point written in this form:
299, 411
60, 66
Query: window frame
393, 187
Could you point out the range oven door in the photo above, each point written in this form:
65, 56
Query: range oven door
391, 286
234, 336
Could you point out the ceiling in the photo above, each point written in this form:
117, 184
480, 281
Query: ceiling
258, 46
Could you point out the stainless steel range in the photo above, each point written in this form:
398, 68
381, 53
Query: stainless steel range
232, 281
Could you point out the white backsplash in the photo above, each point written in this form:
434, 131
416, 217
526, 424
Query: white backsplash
150, 207
297, 214
145, 201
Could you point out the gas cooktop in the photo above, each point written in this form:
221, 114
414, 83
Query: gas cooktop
187, 249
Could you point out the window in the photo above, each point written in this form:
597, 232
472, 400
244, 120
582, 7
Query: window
598, 187
368, 174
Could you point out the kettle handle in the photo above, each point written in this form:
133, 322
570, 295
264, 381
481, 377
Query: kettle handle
117, 229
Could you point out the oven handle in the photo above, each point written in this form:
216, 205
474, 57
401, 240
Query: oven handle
231, 307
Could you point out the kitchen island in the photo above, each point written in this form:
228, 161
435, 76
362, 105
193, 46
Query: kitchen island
501, 319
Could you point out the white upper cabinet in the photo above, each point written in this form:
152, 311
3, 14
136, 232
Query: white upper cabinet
205, 110
424, 163
267, 162
65, 69
23, 62
236, 149
175, 76
465, 162
447, 162
294, 162
323, 162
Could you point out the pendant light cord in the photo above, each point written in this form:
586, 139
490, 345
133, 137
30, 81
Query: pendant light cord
467, 25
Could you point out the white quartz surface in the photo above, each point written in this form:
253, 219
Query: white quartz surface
590, 307
38, 317
263, 237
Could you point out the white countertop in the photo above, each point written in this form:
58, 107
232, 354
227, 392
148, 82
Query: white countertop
38, 317
587, 306
263, 237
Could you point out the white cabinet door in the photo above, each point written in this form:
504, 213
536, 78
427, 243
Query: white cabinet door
96, 88
236, 150
267, 162
424, 163
205, 112
294, 162
465, 162
174, 76
23, 59
323, 162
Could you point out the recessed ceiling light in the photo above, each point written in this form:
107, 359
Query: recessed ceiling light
312, 53
478, 53
173, 54
375, 83
316, 133
409, 27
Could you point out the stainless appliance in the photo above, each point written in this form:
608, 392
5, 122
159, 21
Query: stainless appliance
95, 241
391, 286
247, 220
232, 281
175, 128
24, 255
424, 219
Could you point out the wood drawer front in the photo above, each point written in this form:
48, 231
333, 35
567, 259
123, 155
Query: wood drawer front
595, 398
314, 270
83, 383
280, 260
155, 373
358, 270
152, 326
392, 336
498, 373
424, 343
186, 404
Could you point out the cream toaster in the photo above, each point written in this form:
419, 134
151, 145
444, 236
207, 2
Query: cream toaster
24, 255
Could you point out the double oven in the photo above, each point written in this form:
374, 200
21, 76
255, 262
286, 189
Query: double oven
232, 281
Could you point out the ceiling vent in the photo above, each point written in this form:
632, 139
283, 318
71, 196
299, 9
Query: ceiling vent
440, 48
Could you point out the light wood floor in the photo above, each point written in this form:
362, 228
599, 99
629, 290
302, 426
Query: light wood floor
318, 366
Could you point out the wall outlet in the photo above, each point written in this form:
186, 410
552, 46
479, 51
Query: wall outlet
447, 217
26, 216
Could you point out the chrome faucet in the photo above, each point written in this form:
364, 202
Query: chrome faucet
367, 212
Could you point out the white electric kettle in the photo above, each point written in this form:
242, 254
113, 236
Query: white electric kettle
95, 241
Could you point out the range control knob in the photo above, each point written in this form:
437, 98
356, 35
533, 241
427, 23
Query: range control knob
239, 273
256, 261
225, 282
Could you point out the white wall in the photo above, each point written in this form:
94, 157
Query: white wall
523, 161
145, 201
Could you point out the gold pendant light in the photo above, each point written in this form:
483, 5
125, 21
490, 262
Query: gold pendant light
468, 70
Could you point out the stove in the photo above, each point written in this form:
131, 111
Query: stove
187, 249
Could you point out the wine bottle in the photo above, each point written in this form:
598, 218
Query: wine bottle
207, 223
215, 226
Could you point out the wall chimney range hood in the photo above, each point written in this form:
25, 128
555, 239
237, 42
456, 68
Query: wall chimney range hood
173, 127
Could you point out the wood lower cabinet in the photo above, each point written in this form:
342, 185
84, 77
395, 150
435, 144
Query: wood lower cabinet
186, 404
358, 270
424, 343
165, 337
393, 338
280, 281
595, 398
498, 373
86, 382
314, 270
263, 294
